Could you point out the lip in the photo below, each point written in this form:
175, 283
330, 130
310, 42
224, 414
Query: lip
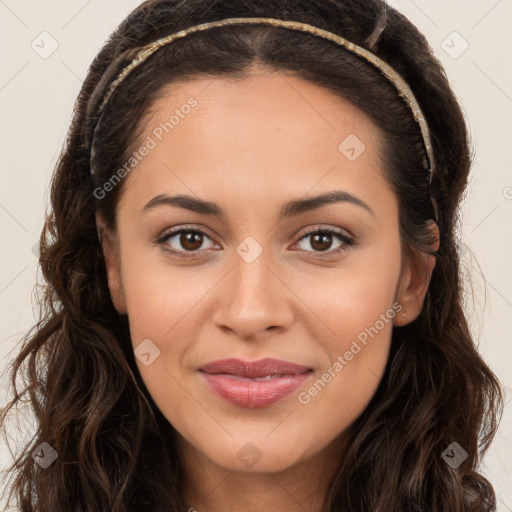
254, 369
235, 380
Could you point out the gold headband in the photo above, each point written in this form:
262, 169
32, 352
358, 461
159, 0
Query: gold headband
401, 85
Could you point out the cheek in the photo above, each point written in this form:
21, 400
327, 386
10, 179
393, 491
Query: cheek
357, 356
346, 301
163, 306
161, 298
356, 307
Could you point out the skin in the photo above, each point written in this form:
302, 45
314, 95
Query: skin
250, 146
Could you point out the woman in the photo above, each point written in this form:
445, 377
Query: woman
253, 296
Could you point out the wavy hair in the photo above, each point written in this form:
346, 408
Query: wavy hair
76, 367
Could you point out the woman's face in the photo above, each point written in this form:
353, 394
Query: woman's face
267, 165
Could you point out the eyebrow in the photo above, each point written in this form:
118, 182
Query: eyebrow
290, 209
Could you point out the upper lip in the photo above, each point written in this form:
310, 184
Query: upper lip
254, 369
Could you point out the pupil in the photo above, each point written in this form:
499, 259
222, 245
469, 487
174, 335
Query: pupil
191, 241
324, 239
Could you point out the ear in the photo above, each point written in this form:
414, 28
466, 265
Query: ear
110, 246
414, 281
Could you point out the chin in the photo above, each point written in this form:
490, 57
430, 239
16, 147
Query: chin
253, 454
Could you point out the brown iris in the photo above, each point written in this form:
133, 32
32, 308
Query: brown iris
325, 241
191, 240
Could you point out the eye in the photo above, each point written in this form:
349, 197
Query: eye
321, 241
183, 240
191, 239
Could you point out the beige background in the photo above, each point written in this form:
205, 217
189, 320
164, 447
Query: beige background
36, 100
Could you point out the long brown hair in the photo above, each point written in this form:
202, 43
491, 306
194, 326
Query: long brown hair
116, 451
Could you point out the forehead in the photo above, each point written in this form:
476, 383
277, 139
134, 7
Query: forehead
270, 132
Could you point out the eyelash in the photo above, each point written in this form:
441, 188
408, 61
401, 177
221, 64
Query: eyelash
347, 241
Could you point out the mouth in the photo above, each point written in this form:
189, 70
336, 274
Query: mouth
254, 369
253, 379
254, 384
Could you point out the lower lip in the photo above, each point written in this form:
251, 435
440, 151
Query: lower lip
253, 393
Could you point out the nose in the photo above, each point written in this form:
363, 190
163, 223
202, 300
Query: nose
254, 299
